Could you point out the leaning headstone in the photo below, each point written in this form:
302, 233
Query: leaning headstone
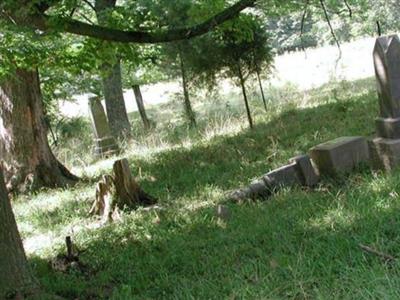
105, 143
340, 156
385, 148
305, 170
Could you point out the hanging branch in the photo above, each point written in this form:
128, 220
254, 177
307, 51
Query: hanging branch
348, 8
378, 25
90, 4
330, 26
303, 19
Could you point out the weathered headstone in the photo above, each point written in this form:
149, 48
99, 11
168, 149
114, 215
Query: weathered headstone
385, 150
105, 143
340, 156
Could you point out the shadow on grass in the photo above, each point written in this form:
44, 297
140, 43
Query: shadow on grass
302, 245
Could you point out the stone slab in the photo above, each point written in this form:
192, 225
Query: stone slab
305, 170
385, 153
283, 176
98, 118
388, 128
106, 147
341, 155
259, 189
386, 57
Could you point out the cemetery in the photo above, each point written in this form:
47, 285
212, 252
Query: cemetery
185, 149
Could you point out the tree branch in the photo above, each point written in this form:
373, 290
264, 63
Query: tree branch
348, 8
330, 25
45, 23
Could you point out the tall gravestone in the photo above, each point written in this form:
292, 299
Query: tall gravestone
105, 142
385, 148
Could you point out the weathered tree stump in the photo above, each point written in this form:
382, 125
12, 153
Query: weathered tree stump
119, 192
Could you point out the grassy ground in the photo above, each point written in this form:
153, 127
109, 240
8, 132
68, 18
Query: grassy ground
301, 244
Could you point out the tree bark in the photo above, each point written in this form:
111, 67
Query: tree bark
188, 106
140, 105
261, 89
112, 83
246, 102
119, 192
28, 160
16, 279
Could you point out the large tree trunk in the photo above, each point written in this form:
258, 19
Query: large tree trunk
112, 82
16, 279
246, 102
115, 103
140, 105
188, 106
24, 148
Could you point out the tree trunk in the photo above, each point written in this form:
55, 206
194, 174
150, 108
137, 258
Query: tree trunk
246, 102
188, 106
119, 192
261, 89
112, 83
140, 105
16, 279
115, 103
28, 161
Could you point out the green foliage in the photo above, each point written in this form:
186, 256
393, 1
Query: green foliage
243, 48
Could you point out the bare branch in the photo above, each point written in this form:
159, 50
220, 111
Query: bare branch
303, 19
330, 26
90, 4
378, 25
348, 8
384, 256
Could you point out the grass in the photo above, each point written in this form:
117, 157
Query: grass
301, 244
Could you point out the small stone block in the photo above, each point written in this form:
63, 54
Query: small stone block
341, 155
284, 176
305, 170
385, 153
223, 212
388, 128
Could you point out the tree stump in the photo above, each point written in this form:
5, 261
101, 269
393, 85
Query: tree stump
119, 192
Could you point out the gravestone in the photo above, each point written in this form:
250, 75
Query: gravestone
340, 156
385, 148
105, 142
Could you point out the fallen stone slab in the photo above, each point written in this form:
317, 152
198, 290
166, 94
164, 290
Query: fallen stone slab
340, 155
299, 172
282, 177
385, 153
305, 170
